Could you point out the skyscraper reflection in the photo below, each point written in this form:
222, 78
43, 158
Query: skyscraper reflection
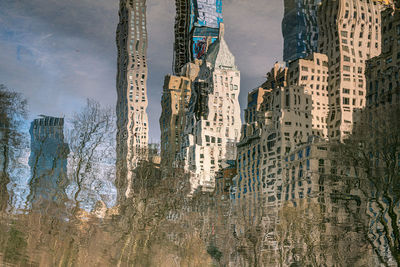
48, 161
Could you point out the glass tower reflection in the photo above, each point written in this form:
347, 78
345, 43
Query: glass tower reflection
48, 161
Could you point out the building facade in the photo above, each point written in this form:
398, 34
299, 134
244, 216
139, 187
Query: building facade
175, 103
250, 141
283, 121
382, 72
48, 161
300, 28
132, 120
251, 184
302, 171
293, 108
196, 28
311, 73
213, 119
350, 34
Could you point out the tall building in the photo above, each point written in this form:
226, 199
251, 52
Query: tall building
175, 102
284, 124
350, 34
213, 119
132, 120
382, 72
48, 161
251, 182
300, 28
288, 109
312, 74
196, 27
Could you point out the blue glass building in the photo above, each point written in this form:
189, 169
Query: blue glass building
196, 27
48, 161
300, 28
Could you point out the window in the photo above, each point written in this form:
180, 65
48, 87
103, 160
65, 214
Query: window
346, 101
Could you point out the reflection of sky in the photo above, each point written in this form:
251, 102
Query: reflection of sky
60, 52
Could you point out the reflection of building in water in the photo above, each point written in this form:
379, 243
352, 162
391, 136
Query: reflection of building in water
132, 120
350, 33
48, 160
196, 26
312, 74
224, 180
383, 102
382, 72
300, 28
213, 118
303, 171
175, 103
249, 166
282, 114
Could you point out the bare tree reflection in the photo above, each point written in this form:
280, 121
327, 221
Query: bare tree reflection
92, 145
12, 114
371, 158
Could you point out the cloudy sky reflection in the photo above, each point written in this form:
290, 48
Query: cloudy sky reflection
58, 53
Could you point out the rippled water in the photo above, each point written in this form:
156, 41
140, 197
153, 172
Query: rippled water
63, 203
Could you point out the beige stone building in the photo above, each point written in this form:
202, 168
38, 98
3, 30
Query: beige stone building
213, 120
132, 120
175, 103
292, 108
250, 141
350, 34
312, 74
283, 122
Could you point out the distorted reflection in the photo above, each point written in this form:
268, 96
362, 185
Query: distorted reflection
310, 178
71, 216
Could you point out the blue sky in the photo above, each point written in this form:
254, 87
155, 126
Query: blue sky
58, 53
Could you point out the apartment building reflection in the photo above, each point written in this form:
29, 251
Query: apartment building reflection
48, 161
132, 119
